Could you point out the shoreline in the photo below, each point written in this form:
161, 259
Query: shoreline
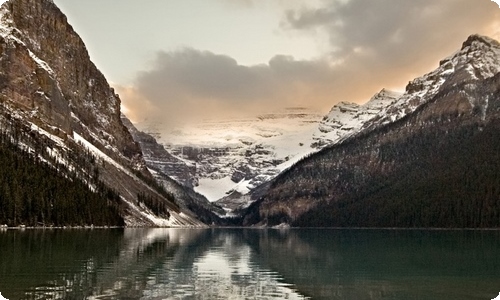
22, 227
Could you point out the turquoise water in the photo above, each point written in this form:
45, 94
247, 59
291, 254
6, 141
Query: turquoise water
249, 264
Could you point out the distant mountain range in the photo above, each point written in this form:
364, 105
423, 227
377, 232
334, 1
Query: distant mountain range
226, 159
236, 155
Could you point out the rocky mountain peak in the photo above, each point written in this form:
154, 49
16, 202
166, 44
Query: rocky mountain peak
381, 100
63, 88
384, 95
346, 118
477, 40
479, 58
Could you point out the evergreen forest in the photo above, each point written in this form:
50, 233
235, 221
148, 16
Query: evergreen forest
451, 182
37, 189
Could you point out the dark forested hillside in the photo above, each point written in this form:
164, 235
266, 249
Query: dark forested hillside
437, 167
35, 191
443, 184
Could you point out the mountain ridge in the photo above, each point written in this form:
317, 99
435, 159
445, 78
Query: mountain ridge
357, 181
346, 118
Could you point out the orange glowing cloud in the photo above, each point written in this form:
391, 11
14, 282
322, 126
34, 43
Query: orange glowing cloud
373, 45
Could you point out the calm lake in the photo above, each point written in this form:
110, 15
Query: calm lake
249, 264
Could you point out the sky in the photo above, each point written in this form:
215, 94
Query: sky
178, 60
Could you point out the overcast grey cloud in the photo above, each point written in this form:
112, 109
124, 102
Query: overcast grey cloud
373, 44
394, 31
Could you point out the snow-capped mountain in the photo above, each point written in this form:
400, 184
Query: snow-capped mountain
429, 159
160, 163
236, 155
478, 59
51, 89
347, 118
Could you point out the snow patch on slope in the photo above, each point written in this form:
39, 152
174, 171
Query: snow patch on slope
59, 141
41, 63
175, 219
98, 153
180, 220
347, 118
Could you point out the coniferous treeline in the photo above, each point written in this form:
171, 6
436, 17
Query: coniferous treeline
159, 188
449, 184
157, 206
37, 189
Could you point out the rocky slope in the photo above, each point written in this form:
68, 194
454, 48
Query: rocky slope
430, 159
477, 59
159, 159
48, 83
160, 163
347, 118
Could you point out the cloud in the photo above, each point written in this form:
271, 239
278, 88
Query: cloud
197, 83
373, 44
393, 32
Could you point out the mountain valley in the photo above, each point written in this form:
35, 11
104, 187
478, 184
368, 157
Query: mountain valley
226, 159
424, 157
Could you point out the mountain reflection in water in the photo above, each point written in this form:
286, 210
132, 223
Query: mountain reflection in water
249, 264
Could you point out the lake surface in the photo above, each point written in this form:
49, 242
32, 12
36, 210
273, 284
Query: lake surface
249, 264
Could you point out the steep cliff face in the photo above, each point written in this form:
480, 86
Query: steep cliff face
49, 85
42, 45
430, 160
161, 160
27, 81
